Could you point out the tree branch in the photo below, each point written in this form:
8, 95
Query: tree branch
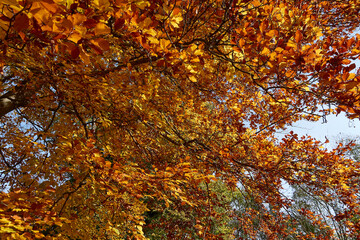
10, 101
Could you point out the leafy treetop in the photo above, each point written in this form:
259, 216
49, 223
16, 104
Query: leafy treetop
115, 109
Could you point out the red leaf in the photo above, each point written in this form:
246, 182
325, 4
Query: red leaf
119, 23
75, 52
90, 23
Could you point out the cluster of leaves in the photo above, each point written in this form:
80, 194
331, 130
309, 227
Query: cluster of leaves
118, 116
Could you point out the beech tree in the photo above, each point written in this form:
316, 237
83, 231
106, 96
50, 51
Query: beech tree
114, 110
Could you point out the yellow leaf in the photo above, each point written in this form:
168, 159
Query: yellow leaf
192, 78
81, 29
150, 31
164, 43
39, 235
153, 40
272, 33
194, 60
102, 4
199, 52
77, 18
256, 3
174, 24
117, 232
278, 49
142, 4
6, 230
351, 76
272, 57
101, 28
175, 21
10, 2
306, 88
42, 15
318, 32
146, 23
159, 17
265, 51
75, 37
291, 43
5, 220
19, 227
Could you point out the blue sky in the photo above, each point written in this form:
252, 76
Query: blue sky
335, 128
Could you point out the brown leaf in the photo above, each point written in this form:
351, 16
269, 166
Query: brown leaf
75, 52
21, 22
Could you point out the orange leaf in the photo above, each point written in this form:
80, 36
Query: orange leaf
77, 18
164, 43
51, 7
298, 36
101, 43
346, 61
101, 28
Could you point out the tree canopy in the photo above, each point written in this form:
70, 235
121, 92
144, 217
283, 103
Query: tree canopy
118, 117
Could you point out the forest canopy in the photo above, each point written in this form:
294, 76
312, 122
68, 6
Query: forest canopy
136, 119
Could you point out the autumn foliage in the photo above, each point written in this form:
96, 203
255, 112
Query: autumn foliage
120, 117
